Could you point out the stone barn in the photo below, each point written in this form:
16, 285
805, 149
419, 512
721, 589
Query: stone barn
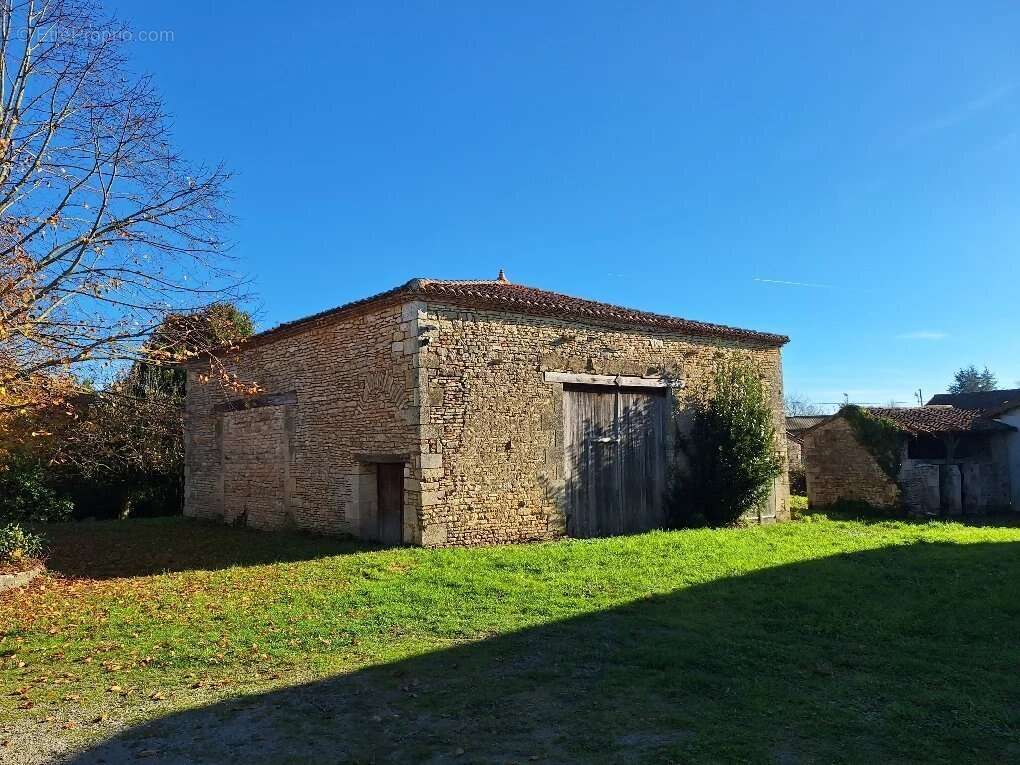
938, 460
456, 413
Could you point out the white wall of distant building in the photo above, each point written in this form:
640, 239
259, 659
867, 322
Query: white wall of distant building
1012, 417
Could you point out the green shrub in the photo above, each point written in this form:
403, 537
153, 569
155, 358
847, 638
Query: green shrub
798, 502
731, 452
18, 545
26, 495
882, 437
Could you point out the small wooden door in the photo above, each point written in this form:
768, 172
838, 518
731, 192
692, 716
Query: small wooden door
390, 495
615, 442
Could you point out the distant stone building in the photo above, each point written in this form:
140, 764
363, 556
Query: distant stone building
950, 461
458, 412
795, 427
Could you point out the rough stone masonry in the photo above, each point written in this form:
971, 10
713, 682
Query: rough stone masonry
461, 382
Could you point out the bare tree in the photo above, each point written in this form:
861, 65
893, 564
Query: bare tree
127, 440
796, 405
104, 230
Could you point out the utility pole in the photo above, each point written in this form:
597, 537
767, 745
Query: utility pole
919, 396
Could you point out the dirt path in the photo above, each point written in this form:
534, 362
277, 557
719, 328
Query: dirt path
321, 723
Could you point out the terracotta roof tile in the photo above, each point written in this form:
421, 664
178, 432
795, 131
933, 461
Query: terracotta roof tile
501, 295
937, 419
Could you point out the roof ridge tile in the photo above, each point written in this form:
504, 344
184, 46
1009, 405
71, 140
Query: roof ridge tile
497, 294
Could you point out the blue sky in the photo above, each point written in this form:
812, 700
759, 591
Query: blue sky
849, 177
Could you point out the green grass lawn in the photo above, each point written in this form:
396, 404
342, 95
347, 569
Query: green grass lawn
820, 641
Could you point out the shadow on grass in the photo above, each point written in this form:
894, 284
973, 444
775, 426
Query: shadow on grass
905, 654
147, 546
865, 513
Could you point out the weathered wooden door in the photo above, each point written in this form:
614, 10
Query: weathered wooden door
615, 442
390, 496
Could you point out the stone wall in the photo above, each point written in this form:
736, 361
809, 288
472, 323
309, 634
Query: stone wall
459, 395
492, 432
838, 468
306, 463
255, 463
795, 465
794, 454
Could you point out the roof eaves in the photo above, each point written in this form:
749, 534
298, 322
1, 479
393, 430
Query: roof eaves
460, 294
322, 318
582, 309
715, 331
1000, 410
841, 414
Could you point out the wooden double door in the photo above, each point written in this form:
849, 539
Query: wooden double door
615, 441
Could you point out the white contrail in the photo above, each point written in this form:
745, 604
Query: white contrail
791, 284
